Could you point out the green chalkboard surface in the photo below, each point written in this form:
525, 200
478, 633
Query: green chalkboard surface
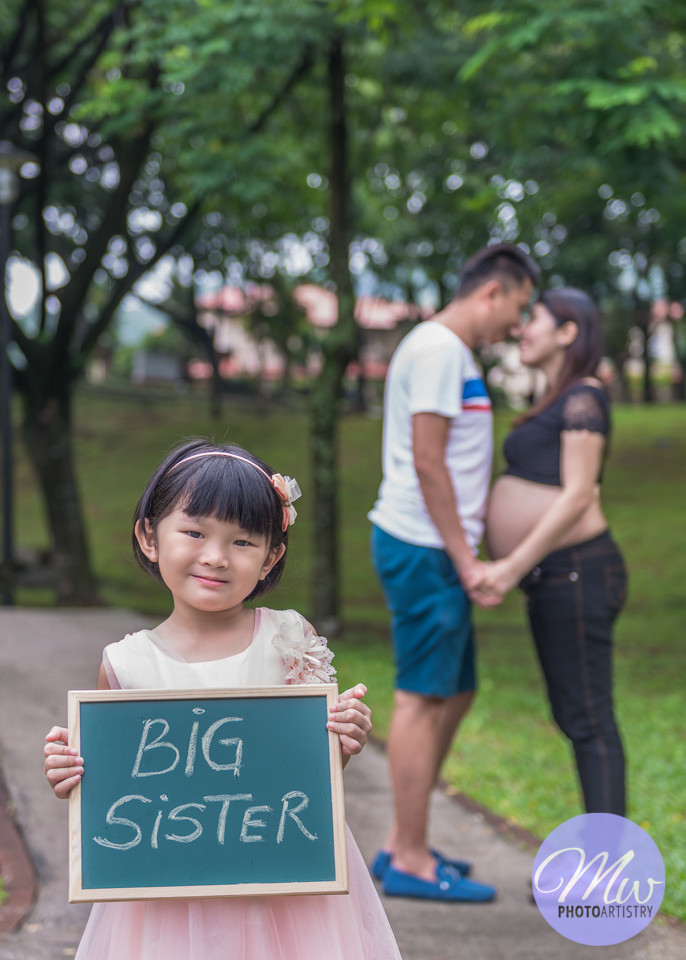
202, 793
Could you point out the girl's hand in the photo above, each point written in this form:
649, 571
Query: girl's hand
351, 720
63, 767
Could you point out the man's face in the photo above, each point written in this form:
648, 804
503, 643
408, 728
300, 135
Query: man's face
506, 307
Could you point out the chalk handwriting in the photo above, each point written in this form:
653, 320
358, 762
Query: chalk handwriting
251, 828
249, 822
225, 800
146, 746
111, 819
156, 744
286, 810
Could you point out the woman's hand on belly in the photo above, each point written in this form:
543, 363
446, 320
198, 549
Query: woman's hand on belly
514, 508
556, 517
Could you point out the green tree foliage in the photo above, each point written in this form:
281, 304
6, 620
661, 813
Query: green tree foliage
551, 125
376, 138
601, 92
123, 174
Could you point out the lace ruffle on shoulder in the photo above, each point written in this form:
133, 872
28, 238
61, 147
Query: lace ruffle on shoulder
584, 410
306, 656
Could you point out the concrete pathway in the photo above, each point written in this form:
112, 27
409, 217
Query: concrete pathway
45, 653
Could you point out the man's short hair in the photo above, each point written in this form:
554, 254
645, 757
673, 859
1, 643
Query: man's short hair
504, 262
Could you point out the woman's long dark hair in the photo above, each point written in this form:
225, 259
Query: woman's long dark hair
583, 355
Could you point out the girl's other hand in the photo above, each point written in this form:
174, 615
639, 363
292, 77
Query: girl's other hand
351, 719
63, 767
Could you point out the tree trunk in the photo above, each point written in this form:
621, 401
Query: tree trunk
679, 382
215, 392
620, 362
47, 432
6, 497
324, 401
644, 324
360, 399
339, 348
287, 380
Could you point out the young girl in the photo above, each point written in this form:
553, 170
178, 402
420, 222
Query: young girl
212, 524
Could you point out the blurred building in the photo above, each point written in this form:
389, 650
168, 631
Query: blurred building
156, 366
237, 315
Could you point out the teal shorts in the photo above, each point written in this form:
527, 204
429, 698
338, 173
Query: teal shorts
431, 617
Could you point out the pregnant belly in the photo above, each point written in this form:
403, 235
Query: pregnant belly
514, 508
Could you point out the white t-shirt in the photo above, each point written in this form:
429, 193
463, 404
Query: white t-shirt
433, 371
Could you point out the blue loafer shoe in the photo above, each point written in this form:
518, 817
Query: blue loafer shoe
462, 866
449, 885
380, 864
382, 861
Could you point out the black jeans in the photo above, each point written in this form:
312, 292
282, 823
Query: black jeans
574, 596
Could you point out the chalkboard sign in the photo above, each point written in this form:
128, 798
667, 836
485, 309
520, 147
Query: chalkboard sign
206, 793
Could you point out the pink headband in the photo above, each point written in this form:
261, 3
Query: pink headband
286, 488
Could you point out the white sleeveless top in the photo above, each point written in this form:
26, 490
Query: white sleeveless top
284, 649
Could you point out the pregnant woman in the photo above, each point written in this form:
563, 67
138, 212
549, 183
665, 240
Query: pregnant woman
546, 532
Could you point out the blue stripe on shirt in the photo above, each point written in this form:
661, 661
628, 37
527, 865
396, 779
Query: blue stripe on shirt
473, 389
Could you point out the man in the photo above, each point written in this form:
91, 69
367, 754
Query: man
427, 525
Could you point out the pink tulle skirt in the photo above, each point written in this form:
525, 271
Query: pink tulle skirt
335, 927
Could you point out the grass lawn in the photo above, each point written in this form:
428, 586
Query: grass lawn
509, 755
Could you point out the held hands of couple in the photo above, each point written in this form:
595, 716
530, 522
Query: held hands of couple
350, 718
487, 583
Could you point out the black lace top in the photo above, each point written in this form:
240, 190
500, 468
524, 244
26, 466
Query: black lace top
532, 451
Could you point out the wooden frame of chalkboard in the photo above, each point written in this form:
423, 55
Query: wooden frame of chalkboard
98, 868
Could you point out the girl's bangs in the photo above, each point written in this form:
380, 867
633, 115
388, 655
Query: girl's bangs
227, 493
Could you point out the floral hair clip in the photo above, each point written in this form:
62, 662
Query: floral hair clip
288, 490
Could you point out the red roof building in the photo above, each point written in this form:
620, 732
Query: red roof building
230, 313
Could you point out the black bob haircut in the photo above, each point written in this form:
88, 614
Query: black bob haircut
504, 262
221, 487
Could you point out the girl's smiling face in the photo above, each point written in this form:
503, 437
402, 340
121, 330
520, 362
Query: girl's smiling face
208, 564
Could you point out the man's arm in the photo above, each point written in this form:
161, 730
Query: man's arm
429, 439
